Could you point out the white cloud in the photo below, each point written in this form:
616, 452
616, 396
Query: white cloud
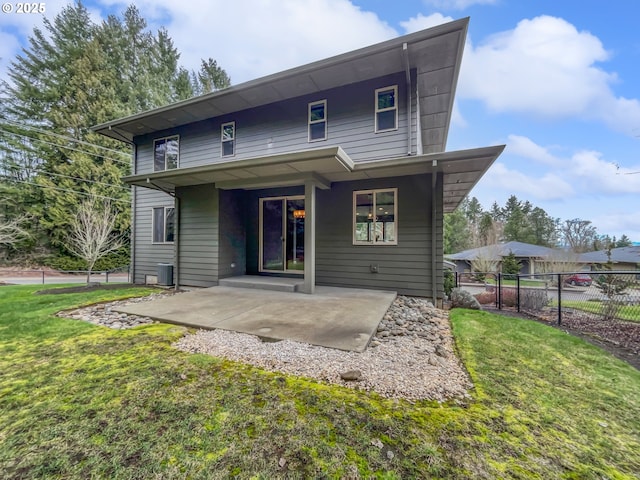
250, 39
420, 22
618, 223
601, 176
547, 67
546, 187
525, 147
458, 4
457, 119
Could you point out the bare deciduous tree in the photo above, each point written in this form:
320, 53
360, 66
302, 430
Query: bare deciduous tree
91, 235
560, 261
487, 262
11, 231
579, 235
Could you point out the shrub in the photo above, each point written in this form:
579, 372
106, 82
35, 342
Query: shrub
509, 297
463, 299
486, 298
533, 299
69, 263
449, 282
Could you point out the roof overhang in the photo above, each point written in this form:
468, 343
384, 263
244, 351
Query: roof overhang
435, 53
460, 170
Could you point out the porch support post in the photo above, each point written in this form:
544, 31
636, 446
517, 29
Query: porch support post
309, 236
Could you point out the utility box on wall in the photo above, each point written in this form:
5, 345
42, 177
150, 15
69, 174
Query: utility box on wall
165, 274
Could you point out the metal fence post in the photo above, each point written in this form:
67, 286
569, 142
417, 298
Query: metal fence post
106, 274
559, 299
499, 291
518, 293
42, 276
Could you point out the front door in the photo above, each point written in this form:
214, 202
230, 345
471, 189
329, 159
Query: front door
282, 234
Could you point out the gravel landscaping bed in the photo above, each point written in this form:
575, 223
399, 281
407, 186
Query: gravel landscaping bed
411, 356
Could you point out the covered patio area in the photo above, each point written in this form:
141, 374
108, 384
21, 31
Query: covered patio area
340, 318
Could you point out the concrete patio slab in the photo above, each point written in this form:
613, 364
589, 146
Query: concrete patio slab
342, 318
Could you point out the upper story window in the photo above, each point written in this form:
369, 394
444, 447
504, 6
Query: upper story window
166, 152
387, 109
318, 121
163, 224
375, 217
228, 139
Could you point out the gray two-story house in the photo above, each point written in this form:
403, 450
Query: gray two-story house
334, 172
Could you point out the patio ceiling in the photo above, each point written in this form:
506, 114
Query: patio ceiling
461, 171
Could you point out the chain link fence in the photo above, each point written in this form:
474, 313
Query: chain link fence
605, 295
13, 276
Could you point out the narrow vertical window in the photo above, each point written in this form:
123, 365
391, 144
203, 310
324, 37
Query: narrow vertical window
166, 153
386, 109
375, 214
318, 121
163, 225
228, 139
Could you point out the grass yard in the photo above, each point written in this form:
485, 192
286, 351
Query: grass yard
512, 283
625, 312
81, 401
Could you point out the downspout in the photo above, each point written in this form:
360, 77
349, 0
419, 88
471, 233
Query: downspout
434, 237
176, 240
132, 268
407, 71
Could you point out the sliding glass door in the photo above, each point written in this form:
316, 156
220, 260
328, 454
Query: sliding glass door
282, 234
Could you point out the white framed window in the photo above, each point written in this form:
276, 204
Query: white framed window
386, 109
163, 224
318, 121
166, 153
375, 217
228, 139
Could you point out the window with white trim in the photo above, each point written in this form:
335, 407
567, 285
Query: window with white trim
163, 224
228, 139
166, 153
375, 217
318, 121
387, 109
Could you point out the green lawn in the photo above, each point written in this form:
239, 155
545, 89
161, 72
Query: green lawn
512, 283
81, 401
626, 312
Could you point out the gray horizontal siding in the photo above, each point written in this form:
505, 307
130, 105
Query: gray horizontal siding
147, 255
405, 267
198, 240
282, 127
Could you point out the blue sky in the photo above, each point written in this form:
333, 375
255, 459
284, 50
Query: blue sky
557, 81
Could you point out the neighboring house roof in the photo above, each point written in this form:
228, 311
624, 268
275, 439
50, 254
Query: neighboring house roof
497, 251
618, 255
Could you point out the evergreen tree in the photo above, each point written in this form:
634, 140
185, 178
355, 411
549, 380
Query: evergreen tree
624, 241
75, 74
456, 232
510, 265
211, 77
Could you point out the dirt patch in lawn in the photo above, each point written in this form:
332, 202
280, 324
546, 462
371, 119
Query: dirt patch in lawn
618, 337
91, 287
